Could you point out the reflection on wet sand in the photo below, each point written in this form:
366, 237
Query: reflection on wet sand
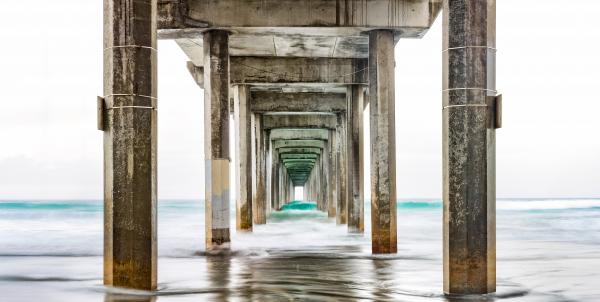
111, 297
218, 269
286, 275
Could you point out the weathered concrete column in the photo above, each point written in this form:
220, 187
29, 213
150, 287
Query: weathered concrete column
244, 179
290, 191
274, 178
383, 142
281, 186
216, 138
259, 193
325, 173
469, 147
269, 171
321, 199
130, 143
356, 215
285, 185
342, 166
331, 192
305, 191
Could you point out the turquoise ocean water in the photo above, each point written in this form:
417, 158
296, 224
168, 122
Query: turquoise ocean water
547, 250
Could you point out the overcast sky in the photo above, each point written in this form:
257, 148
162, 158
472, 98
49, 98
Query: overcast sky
548, 72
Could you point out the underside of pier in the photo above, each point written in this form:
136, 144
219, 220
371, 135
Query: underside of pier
297, 77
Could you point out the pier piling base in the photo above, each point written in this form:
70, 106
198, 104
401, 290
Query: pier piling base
216, 136
383, 142
130, 144
469, 147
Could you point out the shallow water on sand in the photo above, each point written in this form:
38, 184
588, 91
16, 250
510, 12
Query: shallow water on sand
548, 250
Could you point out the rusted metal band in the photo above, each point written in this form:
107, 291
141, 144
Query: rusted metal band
464, 47
464, 105
130, 94
468, 88
137, 107
131, 46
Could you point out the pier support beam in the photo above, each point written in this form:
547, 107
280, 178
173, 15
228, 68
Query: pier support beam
469, 147
356, 214
130, 144
332, 184
216, 137
275, 176
342, 167
259, 191
243, 129
383, 142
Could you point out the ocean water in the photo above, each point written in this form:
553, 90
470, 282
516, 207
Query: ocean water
547, 250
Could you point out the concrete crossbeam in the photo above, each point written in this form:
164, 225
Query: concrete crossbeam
299, 150
268, 101
298, 156
299, 121
261, 70
299, 143
294, 134
279, 17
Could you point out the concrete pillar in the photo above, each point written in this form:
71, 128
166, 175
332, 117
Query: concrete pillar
342, 165
265, 166
356, 215
280, 185
216, 138
269, 171
325, 173
284, 185
244, 179
259, 194
469, 147
331, 192
292, 196
321, 184
274, 179
383, 142
130, 143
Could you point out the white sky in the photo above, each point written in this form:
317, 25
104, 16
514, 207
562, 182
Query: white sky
548, 72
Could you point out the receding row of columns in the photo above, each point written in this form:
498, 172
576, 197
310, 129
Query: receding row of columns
129, 112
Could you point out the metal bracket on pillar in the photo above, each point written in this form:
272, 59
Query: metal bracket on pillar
100, 110
494, 105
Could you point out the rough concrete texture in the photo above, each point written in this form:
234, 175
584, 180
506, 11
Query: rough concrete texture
264, 70
130, 144
197, 73
292, 134
259, 151
331, 178
290, 18
469, 147
268, 101
216, 137
217, 204
300, 121
244, 177
383, 142
299, 143
342, 168
355, 160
